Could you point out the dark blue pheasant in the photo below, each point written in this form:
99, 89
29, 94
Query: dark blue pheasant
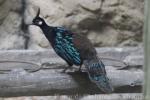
76, 49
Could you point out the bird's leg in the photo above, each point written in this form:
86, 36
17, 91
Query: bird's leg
80, 68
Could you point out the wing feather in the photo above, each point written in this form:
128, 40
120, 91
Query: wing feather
64, 47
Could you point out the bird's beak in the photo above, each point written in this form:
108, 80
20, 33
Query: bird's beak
30, 24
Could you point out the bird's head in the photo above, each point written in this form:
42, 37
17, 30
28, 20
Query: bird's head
38, 21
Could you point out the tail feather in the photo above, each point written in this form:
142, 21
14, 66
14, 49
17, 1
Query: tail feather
97, 74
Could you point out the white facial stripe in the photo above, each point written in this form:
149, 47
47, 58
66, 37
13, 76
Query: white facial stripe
40, 22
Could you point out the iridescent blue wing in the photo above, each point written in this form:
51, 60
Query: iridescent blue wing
64, 47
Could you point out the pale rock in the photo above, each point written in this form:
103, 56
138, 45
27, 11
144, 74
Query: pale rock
103, 28
10, 22
119, 23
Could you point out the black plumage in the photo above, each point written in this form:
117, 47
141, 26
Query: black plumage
76, 49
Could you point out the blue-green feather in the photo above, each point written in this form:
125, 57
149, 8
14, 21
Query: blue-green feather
97, 74
64, 46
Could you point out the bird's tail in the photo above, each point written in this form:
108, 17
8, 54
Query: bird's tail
97, 74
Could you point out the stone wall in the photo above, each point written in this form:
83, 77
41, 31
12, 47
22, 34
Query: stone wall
119, 23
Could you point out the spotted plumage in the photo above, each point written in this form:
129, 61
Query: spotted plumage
76, 49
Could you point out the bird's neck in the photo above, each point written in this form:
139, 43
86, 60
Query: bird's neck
48, 32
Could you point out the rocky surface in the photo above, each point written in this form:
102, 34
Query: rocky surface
10, 23
118, 23
131, 96
17, 76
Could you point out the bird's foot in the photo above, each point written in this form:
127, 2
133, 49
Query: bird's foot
78, 70
66, 68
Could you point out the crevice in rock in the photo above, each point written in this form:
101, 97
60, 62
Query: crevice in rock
24, 26
2, 2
